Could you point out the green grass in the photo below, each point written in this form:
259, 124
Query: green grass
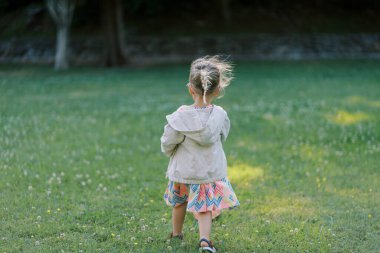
81, 168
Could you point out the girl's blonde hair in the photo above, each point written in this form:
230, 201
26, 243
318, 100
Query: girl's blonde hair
209, 73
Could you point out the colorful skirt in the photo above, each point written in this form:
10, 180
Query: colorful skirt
200, 198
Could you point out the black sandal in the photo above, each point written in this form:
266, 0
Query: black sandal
209, 248
180, 236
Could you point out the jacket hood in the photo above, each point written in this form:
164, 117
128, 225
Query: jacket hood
189, 123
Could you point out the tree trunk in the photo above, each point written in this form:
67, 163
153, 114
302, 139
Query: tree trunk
225, 11
113, 33
61, 54
62, 13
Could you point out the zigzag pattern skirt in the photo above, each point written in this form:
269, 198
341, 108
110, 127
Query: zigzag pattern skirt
200, 198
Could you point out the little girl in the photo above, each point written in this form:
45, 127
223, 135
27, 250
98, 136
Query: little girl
192, 139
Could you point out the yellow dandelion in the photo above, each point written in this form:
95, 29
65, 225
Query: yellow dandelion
48, 211
113, 235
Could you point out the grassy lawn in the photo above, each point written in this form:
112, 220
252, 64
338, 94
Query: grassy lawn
81, 168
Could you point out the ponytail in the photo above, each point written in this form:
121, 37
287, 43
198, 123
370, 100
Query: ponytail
205, 84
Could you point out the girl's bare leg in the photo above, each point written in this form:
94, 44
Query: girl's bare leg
204, 222
178, 217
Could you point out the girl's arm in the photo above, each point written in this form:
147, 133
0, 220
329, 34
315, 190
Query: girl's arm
170, 139
225, 128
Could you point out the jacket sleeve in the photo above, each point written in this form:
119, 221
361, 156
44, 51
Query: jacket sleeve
225, 128
170, 139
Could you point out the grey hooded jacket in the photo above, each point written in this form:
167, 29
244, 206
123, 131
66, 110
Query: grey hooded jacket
192, 139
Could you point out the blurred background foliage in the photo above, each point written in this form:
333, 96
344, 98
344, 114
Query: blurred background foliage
171, 18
